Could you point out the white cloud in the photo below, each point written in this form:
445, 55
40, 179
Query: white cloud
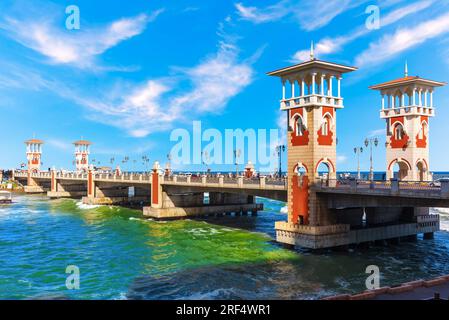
78, 48
310, 14
403, 39
268, 14
159, 103
332, 45
215, 81
315, 14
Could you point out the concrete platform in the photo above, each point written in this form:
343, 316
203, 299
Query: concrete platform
177, 212
114, 200
319, 237
66, 194
35, 189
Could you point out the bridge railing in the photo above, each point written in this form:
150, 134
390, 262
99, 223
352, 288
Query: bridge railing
276, 181
393, 186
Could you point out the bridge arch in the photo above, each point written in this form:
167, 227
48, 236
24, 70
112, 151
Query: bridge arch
422, 169
404, 168
329, 165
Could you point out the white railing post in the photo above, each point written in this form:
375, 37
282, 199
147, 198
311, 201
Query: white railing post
262, 182
240, 181
203, 179
175, 178
221, 180
188, 179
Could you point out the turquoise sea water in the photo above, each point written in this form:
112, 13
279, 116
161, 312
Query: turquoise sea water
123, 256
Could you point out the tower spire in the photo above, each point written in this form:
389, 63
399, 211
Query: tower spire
312, 53
406, 69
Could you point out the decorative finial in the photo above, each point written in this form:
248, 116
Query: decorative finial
406, 69
312, 54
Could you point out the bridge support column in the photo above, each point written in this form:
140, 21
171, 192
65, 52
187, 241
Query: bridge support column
90, 184
156, 188
54, 182
32, 185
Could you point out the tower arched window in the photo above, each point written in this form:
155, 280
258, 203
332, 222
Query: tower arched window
422, 132
398, 132
325, 126
299, 127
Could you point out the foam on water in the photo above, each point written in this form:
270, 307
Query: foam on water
84, 206
284, 210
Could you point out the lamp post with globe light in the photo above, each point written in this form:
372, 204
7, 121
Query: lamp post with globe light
358, 151
369, 142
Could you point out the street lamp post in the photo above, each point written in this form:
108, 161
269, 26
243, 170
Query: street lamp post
237, 153
369, 142
279, 150
358, 151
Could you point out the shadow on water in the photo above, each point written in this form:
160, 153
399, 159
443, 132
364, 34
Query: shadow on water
272, 280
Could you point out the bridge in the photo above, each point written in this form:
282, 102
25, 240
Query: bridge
323, 211
168, 196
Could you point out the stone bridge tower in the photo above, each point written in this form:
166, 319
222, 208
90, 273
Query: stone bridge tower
34, 154
82, 151
312, 130
407, 106
34, 157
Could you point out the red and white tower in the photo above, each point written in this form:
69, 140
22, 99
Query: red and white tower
407, 106
82, 151
34, 154
312, 130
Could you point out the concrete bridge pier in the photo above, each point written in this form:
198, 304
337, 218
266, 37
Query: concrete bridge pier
35, 185
174, 202
115, 192
65, 188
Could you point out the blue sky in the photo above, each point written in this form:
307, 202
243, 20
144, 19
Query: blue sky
134, 73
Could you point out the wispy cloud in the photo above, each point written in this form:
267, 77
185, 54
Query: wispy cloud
77, 48
403, 39
310, 14
315, 14
262, 15
377, 132
215, 81
329, 45
159, 103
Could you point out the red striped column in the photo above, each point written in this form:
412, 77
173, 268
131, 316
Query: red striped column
54, 183
156, 189
90, 183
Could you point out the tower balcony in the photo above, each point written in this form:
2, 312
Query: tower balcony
312, 100
412, 110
